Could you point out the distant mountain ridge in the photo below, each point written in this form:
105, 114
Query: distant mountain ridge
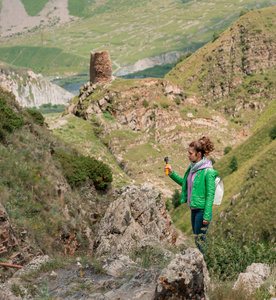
130, 30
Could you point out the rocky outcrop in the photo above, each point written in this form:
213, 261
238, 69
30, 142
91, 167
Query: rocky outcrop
31, 89
255, 275
100, 67
186, 277
8, 242
136, 219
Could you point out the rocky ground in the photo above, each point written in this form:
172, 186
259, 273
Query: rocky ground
135, 256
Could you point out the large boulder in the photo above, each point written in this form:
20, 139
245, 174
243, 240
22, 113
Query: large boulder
255, 275
137, 218
186, 277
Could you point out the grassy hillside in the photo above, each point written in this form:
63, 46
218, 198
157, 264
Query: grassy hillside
40, 59
254, 184
44, 183
80, 135
234, 73
34, 7
134, 30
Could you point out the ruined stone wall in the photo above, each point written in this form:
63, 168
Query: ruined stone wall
100, 67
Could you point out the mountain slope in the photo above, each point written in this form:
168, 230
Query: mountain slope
142, 121
50, 214
248, 206
130, 30
236, 73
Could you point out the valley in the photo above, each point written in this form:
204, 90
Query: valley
85, 205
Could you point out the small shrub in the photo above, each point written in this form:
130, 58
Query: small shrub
77, 169
243, 12
212, 160
164, 104
227, 150
233, 164
176, 197
2, 136
145, 103
169, 205
216, 34
9, 120
177, 101
36, 116
272, 132
107, 115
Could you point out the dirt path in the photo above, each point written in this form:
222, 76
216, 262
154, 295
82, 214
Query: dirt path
14, 18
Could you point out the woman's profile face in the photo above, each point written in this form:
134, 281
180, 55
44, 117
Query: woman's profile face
193, 155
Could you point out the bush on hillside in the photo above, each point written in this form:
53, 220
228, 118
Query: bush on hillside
227, 257
9, 119
272, 132
176, 197
217, 34
233, 164
36, 116
243, 12
145, 103
227, 150
77, 169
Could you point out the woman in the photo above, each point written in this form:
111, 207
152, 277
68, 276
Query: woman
198, 188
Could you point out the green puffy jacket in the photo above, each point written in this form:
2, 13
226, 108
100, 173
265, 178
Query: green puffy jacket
203, 192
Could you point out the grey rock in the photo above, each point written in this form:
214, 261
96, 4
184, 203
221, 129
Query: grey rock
140, 287
36, 91
254, 276
186, 277
137, 218
33, 265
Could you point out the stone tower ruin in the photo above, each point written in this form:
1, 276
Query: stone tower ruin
100, 67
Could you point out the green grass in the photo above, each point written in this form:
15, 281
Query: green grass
34, 7
79, 133
42, 59
266, 115
251, 148
78, 8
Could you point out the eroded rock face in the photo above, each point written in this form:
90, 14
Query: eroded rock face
186, 277
137, 218
100, 67
31, 89
7, 239
254, 276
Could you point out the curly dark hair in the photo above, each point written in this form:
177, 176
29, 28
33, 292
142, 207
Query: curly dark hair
203, 145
